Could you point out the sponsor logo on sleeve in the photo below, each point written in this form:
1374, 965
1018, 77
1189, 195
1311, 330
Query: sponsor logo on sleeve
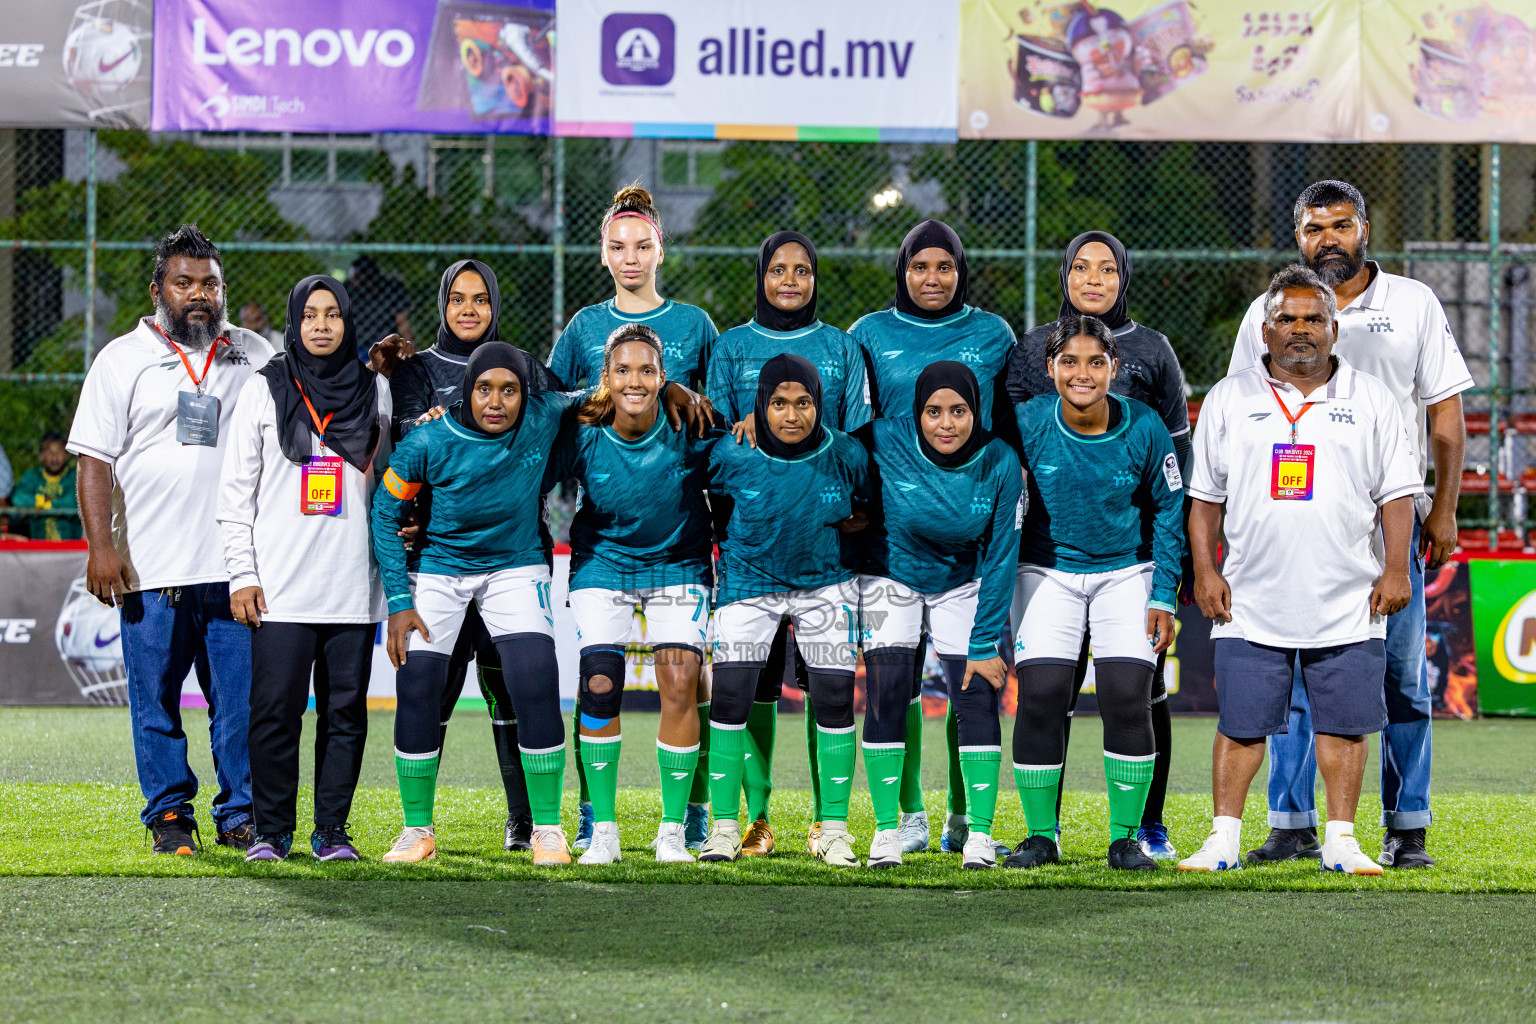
1171, 472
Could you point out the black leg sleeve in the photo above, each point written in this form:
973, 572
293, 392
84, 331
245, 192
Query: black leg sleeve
1079, 677
1162, 737
1039, 734
341, 713
282, 654
1125, 696
733, 686
493, 687
770, 681
888, 675
533, 686
976, 708
458, 667
831, 695
418, 701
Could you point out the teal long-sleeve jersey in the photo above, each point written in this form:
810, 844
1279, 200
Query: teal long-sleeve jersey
740, 353
687, 335
644, 521
1104, 501
777, 518
898, 348
485, 496
936, 529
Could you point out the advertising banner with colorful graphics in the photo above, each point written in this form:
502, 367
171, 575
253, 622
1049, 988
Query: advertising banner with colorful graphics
1153, 69
354, 65
1449, 72
1504, 620
75, 64
798, 69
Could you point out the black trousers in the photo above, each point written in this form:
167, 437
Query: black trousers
282, 657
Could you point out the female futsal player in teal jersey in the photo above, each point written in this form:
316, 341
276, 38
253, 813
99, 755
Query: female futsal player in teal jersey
642, 537
631, 253
784, 553
940, 554
784, 321
930, 321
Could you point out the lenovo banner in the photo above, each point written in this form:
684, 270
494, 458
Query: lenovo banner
354, 66
75, 64
799, 69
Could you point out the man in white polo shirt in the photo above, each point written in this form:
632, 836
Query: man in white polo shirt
149, 430
1310, 463
1394, 329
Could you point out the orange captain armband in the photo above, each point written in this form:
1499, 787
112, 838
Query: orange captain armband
400, 488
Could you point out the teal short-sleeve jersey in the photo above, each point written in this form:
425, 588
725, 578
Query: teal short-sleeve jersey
899, 347
687, 334
780, 516
740, 353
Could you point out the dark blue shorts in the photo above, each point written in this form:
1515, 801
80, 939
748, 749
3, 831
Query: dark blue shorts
1345, 687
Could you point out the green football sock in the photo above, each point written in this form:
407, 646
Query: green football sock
581, 769
956, 776
884, 769
698, 793
1129, 777
545, 772
762, 724
679, 767
727, 753
418, 788
1037, 793
813, 754
912, 763
980, 767
601, 756
835, 754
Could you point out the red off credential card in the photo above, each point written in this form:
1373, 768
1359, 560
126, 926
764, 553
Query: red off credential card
1290, 476
322, 487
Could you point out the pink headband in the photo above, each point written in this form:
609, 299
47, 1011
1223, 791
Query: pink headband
632, 213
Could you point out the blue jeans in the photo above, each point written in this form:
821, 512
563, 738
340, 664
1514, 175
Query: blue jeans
1405, 742
166, 634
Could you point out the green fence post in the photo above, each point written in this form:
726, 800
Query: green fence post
90, 249
1495, 297
557, 239
1031, 227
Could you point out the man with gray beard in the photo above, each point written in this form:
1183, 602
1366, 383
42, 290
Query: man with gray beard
150, 425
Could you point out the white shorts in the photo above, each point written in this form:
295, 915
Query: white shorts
826, 624
511, 601
674, 616
894, 615
1059, 606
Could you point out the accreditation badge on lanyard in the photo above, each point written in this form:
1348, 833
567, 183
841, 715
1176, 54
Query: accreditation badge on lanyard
197, 414
320, 482
1292, 465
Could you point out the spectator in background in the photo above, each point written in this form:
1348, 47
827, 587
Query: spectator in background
49, 484
380, 305
253, 317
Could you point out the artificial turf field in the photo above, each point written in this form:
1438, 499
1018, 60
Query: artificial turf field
95, 927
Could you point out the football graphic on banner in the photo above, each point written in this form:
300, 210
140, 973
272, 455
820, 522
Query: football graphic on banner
102, 57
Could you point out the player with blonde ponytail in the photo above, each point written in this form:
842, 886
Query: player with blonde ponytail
632, 251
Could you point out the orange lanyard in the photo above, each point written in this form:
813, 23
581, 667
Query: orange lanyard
320, 424
213, 350
1287, 413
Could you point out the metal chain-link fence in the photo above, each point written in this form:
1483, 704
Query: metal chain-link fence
1207, 223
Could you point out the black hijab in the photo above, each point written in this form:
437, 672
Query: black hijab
337, 385
1116, 316
446, 339
786, 369
930, 234
769, 315
959, 378
491, 355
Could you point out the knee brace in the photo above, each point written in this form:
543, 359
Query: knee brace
831, 695
888, 673
598, 709
732, 685
1125, 692
976, 722
418, 692
532, 675
1045, 694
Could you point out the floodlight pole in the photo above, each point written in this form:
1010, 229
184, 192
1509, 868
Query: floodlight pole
90, 249
1495, 298
1031, 226
557, 241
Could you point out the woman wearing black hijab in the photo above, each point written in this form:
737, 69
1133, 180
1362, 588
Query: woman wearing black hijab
293, 509
943, 546
785, 555
784, 322
1096, 281
930, 321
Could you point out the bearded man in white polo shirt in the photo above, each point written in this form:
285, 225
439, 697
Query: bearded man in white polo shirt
1310, 463
149, 430
1394, 329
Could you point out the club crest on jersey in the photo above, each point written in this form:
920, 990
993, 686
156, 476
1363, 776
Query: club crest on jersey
830, 371
531, 459
981, 506
830, 496
1342, 415
1380, 325
970, 355
1124, 478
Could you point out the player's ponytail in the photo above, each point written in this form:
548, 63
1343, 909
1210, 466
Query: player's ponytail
598, 408
633, 201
